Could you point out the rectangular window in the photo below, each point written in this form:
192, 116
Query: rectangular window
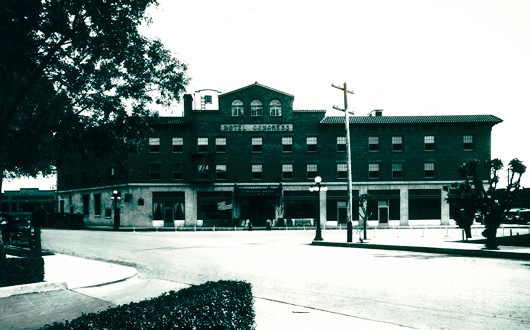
429, 142
112, 174
468, 142
237, 108
287, 171
154, 171
220, 172
154, 144
257, 144
86, 202
275, 108
97, 205
429, 170
203, 172
397, 170
257, 173
202, 144
342, 171
311, 143
287, 144
397, 143
312, 170
373, 143
178, 144
178, 172
341, 144
207, 99
373, 170
256, 108
220, 144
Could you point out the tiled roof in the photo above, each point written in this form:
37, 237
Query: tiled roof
309, 110
256, 84
362, 120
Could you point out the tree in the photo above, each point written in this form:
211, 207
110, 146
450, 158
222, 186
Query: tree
463, 204
75, 73
471, 195
362, 202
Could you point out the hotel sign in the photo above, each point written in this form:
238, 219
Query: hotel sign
256, 127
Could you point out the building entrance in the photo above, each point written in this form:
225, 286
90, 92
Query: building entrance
257, 209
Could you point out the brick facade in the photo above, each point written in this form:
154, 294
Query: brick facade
213, 167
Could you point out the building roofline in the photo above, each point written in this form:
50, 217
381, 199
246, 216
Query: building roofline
253, 85
382, 120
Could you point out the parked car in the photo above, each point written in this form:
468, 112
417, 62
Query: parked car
16, 228
519, 216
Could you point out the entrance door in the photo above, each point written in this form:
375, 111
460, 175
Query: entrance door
383, 212
258, 209
168, 217
342, 212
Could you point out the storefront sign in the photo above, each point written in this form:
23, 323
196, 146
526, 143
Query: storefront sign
257, 127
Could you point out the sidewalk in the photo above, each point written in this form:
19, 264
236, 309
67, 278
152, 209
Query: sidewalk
74, 286
432, 240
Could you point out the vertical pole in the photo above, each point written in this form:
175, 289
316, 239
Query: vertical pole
318, 236
348, 155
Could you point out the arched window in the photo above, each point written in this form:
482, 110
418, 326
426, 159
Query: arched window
256, 108
275, 108
237, 108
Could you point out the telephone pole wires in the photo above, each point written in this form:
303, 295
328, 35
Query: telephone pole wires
348, 155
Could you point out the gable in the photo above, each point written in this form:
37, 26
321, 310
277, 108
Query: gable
256, 89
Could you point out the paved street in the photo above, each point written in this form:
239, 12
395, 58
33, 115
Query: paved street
403, 288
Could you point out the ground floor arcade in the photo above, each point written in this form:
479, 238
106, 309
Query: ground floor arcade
277, 204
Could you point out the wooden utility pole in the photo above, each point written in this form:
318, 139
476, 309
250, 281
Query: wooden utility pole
348, 155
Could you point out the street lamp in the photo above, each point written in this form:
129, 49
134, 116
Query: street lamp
116, 196
317, 187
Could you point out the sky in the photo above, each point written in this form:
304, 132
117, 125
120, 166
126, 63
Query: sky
407, 57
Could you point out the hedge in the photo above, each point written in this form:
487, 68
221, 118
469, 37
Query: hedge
16, 271
212, 305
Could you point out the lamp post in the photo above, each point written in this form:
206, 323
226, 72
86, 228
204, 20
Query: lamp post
116, 196
317, 187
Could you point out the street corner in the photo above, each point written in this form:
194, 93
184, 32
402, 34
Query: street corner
14, 290
79, 272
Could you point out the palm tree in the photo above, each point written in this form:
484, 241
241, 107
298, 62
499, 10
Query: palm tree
491, 202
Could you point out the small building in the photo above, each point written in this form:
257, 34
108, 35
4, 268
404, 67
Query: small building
253, 156
26, 199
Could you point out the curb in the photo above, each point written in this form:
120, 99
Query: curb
14, 290
123, 279
461, 252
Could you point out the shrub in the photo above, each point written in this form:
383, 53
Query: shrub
212, 305
16, 271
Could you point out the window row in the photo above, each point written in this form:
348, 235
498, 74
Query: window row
397, 170
429, 143
311, 170
109, 175
220, 144
256, 108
